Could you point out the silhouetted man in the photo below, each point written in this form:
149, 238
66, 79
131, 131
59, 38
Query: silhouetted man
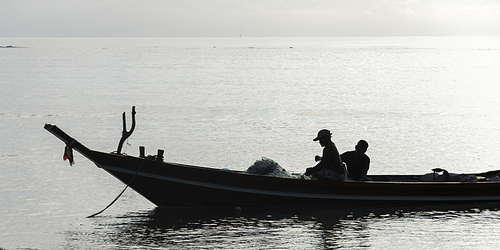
330, 166
357, 161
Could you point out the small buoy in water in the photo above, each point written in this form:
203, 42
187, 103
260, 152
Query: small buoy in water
237, 209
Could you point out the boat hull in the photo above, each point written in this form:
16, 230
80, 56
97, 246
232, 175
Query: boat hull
171, 184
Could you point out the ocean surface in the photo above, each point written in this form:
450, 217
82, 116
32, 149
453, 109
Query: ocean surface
420, 102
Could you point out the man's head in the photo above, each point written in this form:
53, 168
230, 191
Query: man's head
324, 137
324, 133
362, 146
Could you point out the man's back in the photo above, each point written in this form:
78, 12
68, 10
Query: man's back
357, 165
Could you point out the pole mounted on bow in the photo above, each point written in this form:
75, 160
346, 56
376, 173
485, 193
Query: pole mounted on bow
126, 134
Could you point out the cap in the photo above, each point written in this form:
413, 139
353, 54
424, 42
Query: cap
322, 133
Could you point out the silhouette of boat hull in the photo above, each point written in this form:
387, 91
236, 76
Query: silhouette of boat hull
172, 184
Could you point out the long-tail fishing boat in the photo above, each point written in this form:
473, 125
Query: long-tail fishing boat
173, 184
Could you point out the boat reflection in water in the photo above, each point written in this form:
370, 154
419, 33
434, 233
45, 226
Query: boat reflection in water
434, 227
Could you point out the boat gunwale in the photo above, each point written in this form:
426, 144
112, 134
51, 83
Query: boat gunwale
278, 178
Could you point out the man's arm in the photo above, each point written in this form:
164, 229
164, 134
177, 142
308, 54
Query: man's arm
327, 155
364, 169
364, 172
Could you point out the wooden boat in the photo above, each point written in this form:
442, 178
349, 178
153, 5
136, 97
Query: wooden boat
172, 184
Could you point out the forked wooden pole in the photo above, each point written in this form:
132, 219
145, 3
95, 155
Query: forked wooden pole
126, 134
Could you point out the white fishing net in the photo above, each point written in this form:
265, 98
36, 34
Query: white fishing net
266, 166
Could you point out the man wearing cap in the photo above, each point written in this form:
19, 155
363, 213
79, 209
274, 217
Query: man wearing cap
330, 166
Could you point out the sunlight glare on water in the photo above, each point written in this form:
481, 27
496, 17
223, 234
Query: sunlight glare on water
420, 102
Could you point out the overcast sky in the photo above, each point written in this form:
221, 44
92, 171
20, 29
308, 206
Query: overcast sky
230, 18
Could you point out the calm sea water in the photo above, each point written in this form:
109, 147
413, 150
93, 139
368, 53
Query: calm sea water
420, 102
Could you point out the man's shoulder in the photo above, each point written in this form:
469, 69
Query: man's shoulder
366, 157
348, 153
